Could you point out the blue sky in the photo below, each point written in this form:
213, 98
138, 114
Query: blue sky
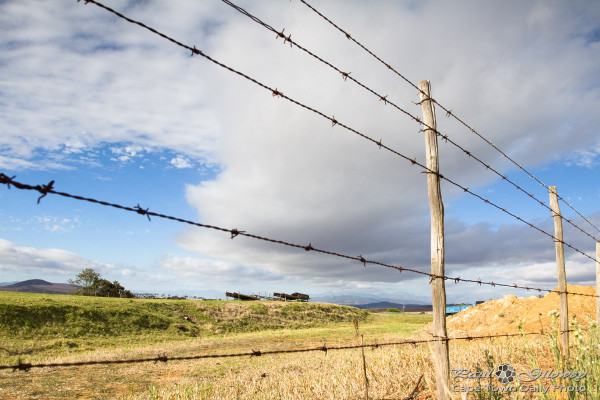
110, 111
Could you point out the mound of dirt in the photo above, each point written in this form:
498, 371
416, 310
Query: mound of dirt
501, 316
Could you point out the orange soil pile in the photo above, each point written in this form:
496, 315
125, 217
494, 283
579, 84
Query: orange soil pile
501, 316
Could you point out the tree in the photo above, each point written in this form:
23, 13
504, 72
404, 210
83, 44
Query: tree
84, 281
89, 283
104, 288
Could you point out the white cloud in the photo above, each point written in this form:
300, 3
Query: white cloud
584, 158
69, 83
17, 164
211, 270
288, 174
181, 162
31, 261
58, 224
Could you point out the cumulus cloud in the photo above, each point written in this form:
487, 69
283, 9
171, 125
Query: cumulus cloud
91, 94
290, 175
181, 162
29, 260
215, 270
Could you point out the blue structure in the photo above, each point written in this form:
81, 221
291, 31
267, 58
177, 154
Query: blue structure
458, 308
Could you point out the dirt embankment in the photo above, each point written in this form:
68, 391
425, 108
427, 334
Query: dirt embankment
501, 316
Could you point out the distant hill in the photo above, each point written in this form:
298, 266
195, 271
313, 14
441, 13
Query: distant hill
31, 282
360, 301
38, 286
387, 304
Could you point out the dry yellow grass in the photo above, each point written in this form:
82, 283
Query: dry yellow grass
392, 371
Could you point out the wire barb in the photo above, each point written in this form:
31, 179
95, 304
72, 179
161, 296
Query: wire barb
362, 260
162, 358
235, 232
256, 353
285, 39
44, 190
21, 366
7, 180
142, 211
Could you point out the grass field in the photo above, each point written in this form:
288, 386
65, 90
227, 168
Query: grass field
44, 325
39, 328
50, 328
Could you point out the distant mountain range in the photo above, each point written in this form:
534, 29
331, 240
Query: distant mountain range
36, 286
386, 304
372, 302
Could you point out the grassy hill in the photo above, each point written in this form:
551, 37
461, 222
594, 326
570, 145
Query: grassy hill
38, 286
77, 322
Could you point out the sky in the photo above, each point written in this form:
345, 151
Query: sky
111, 111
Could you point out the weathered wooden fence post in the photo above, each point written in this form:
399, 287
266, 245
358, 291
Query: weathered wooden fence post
598, 282
560, 265
438, 285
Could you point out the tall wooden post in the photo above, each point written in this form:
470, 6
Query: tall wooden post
438, 286
598, 282
562, 276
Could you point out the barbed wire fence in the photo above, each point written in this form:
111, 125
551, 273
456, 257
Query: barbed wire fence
449, 112
45, 189
347, 76
22, 366
334, 122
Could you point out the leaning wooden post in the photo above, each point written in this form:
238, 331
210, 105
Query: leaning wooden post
598, 282
438, 285
562, 276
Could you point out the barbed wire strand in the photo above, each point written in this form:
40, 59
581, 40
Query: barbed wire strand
449, 113
386, 100
49, 188
21, 366
276, 93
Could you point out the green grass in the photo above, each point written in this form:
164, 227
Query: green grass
40, 324
38, 328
